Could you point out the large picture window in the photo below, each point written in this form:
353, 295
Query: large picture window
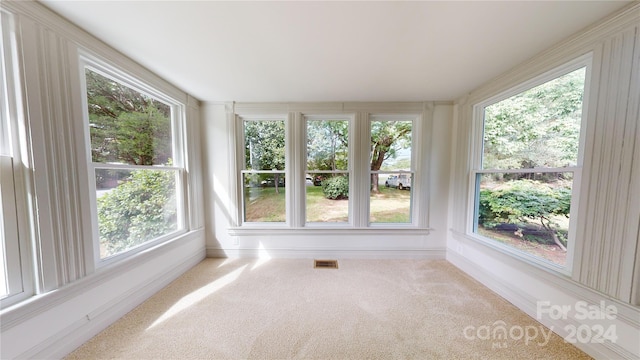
136, 163
529, 164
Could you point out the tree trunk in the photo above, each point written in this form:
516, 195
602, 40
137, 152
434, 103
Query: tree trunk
376, 163
553, 233
374, 184
557, 241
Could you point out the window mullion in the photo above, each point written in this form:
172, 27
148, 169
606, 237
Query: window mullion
573, 222
423, 127
96, 165
361, 166
296, 156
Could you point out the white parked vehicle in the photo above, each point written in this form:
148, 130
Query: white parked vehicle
400, 181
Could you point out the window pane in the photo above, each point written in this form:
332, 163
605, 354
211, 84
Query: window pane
391, 145
390, 204
5, 151
15, 264
327, 198
126, 127
264, 143
10, 261
264, 197
327, 144
400, 181
390, 198
3, 275
134, 207
539, 127
528, 211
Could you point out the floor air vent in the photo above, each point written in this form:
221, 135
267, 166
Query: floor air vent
325, 264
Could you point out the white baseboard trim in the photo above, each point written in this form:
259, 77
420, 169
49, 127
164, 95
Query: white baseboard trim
64, 342
528, 304
433, 254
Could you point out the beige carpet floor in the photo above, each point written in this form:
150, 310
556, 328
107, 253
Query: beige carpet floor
366, 309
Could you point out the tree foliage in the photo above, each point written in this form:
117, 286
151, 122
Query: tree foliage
264, 144
517, 201
327, 145
128, 127
125, 125
387, 138
539, 127
142, 208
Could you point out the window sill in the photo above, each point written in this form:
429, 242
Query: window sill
548, 266
264, 230
554, 275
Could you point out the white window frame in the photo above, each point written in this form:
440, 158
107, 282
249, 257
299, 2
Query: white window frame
242, 164
178, 116
295, 116
412, 171
477, 169
348, 171
15, 226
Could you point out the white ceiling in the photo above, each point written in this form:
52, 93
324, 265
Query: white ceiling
331, 51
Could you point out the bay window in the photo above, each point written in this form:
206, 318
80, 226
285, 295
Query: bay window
343, 169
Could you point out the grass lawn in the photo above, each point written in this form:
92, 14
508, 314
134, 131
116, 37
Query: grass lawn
321, 209
390, 206
265, 205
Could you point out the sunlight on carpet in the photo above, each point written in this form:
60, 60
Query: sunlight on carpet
198, 295
284, 309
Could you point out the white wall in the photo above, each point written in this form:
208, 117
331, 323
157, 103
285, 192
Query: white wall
77, 299
225, 238
606, 258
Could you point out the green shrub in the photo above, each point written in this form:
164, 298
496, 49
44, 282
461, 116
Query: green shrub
518, 200
138, 210
336, 188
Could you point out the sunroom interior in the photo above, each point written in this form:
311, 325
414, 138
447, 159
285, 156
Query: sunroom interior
501, 137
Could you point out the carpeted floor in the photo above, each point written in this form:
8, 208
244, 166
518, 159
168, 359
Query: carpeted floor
366, 309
